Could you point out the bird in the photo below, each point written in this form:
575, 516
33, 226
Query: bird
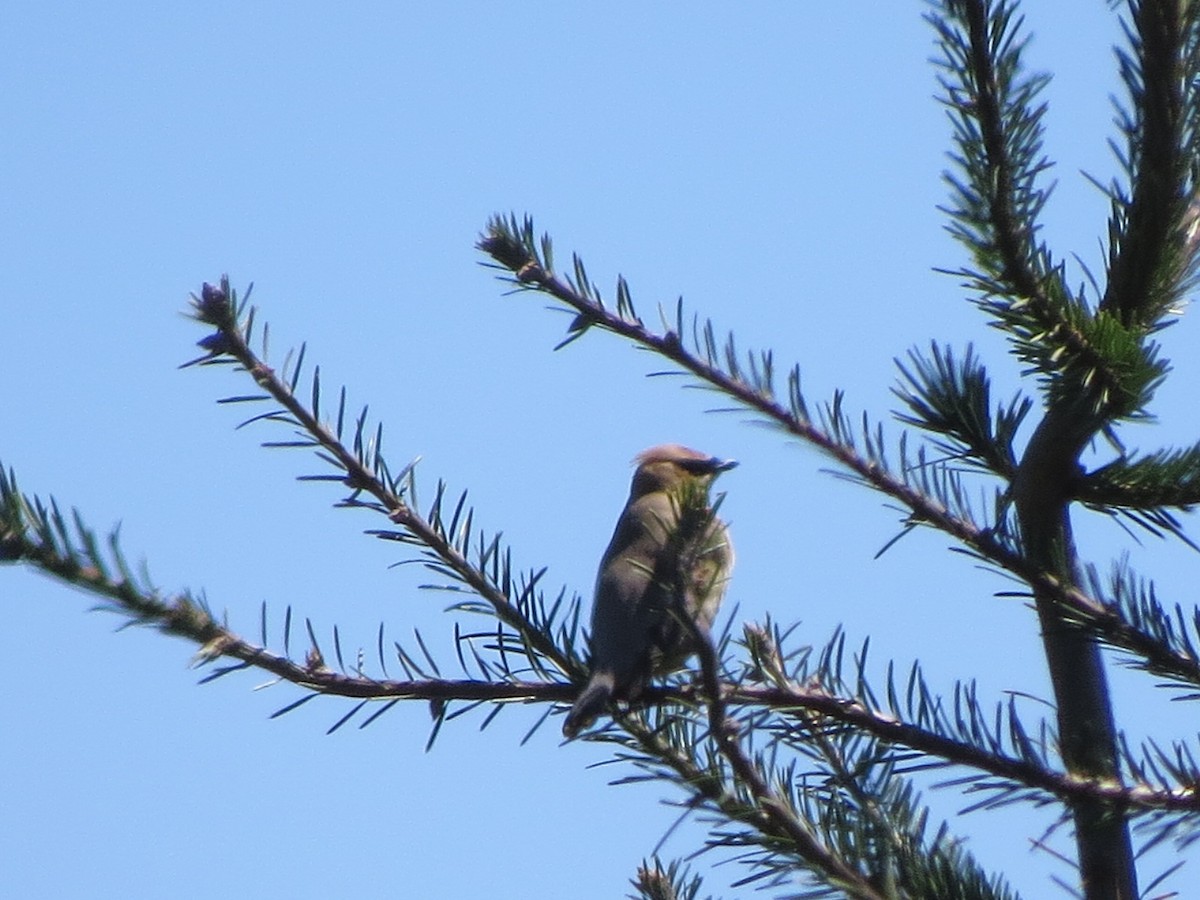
669, 557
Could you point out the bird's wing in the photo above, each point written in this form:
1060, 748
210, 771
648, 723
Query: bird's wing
629, 601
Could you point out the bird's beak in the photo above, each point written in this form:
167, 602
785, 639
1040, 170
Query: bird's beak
723, 465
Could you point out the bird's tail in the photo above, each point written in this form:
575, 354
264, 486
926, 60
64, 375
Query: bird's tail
590, 703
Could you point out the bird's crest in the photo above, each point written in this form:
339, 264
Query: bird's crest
676, 453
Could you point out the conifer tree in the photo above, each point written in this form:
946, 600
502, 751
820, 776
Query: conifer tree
801, 763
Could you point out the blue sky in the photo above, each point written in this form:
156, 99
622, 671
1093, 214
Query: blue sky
777, 164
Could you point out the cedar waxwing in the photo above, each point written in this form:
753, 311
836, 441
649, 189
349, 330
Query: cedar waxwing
636, 627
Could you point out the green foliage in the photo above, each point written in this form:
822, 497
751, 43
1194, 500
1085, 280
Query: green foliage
951, 398
1096, 362
1152, 228
671, 882
1157, 480
1083, 356
804, 768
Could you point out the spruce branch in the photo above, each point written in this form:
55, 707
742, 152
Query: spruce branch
1147, 482
1091, 359
364, 469
731, 791
862, 776
964, 740
40, 535
855, 800
776, 817
998, 133
1098, 367
805, 769
931, 496
871, 846
1098, 395
1152, 241
673, 881
952, 398
219, 641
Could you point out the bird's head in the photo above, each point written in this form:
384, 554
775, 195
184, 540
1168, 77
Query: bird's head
669, 466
